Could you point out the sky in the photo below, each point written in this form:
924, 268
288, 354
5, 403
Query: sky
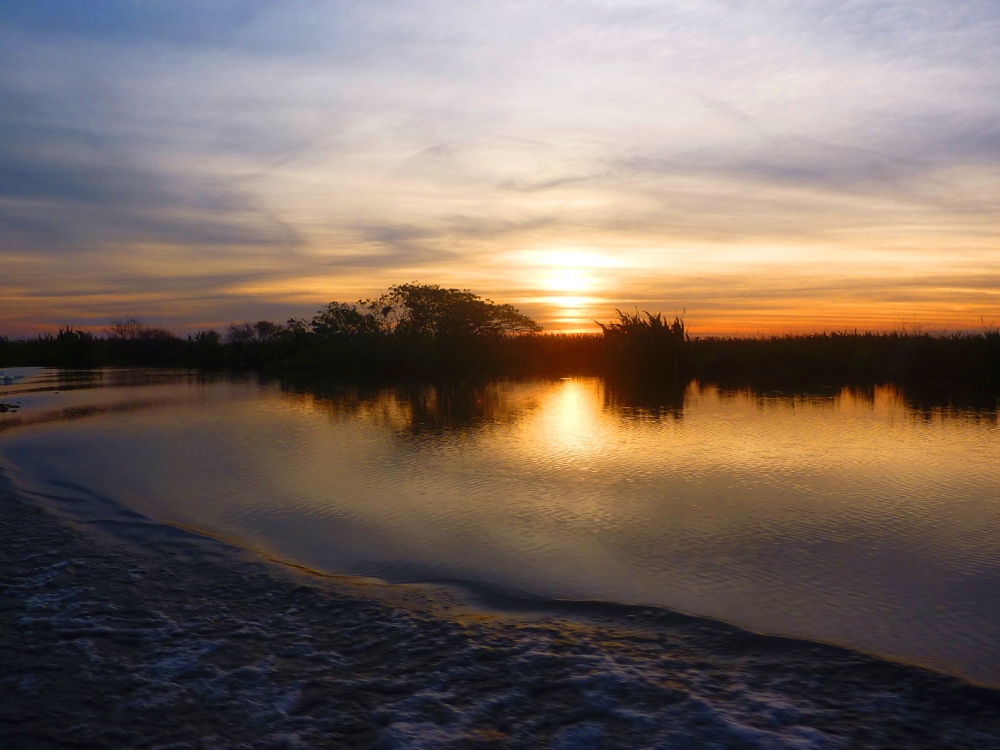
759, 167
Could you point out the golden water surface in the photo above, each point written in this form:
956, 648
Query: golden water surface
852, 516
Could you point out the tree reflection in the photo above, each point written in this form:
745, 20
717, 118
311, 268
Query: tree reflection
429, 409
420, 409
641, 399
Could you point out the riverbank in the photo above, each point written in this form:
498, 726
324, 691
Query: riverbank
641, 357
135, 634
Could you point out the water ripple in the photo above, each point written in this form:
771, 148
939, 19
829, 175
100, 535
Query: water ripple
849, 518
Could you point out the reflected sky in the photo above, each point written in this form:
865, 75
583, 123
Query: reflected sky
850, 517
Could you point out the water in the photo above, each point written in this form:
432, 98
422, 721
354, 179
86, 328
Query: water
849, 517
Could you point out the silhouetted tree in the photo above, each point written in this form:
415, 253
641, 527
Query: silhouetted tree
254, 333
341, 319
430, 310
206, 339
126, 329
133, 329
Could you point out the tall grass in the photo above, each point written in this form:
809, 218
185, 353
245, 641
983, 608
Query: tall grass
643, 345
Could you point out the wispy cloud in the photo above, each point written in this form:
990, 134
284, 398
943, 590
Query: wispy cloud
198, 160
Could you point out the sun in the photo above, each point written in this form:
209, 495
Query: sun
569, 285
567, 280
569, 272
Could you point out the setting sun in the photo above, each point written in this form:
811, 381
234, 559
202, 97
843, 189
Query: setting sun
565, 278
569, 288
572, 280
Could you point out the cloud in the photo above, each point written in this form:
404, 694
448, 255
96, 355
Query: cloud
257, 153
184, 23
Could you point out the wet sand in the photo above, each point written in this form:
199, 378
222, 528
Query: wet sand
128, 633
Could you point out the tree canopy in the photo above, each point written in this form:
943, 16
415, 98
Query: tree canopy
340, 319
423, 309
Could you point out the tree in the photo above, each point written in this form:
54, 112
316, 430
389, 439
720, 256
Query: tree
133, 329
207, 338
342, 319
128, 329
429, 310
254, 333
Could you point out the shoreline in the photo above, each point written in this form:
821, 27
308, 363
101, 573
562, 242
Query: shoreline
122, 523
165, 638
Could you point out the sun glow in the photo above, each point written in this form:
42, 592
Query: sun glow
570, 272
570, 280
569, 283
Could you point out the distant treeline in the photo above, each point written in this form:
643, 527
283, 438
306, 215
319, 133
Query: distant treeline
425, 331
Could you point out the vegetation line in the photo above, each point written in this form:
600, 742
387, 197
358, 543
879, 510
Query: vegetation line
421, 331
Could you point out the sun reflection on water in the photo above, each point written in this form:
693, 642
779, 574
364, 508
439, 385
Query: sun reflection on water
845, 515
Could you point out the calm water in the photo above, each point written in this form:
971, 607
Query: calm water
848, 518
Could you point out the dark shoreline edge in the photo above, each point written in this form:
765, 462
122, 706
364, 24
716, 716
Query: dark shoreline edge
167, 638
504, 601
